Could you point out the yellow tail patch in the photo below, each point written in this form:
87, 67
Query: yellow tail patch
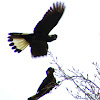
20, 43
17, 43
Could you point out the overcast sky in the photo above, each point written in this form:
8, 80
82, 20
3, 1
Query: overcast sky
77, 45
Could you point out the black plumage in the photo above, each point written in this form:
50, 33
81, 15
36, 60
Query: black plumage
39, 38
46, 86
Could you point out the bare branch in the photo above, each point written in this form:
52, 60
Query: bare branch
86, 88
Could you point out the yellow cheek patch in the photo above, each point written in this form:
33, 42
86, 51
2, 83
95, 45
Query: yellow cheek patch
48, 72
50, 35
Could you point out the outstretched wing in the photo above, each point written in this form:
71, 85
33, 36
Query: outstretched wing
50, 19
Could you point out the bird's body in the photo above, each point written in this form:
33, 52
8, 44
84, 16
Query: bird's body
47, 85
40, 36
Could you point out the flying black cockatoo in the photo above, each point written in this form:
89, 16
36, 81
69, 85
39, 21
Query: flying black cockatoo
48, 84
39, 38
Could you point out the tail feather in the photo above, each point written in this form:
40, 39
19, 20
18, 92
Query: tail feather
18, 43
35, 97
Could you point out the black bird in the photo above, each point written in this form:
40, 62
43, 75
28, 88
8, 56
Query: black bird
39, 38
48, 84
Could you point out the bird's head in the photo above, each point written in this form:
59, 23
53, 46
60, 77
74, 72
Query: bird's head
50, 70
52, 37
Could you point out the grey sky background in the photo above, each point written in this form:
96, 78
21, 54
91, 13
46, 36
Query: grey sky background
77, 45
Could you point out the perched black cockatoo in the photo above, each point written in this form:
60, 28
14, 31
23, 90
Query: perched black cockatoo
39, 38
48, 84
